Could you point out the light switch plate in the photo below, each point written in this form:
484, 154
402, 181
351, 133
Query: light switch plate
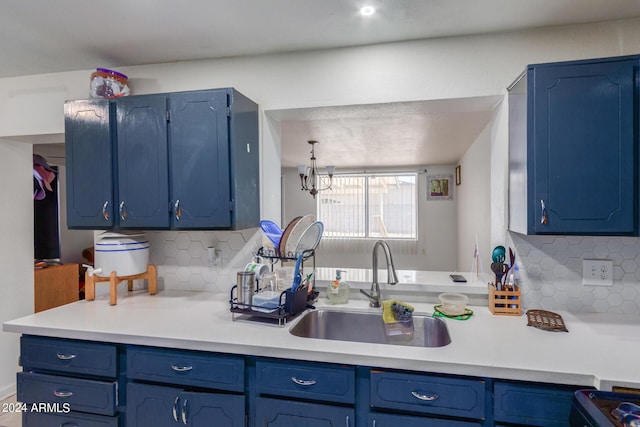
597, 272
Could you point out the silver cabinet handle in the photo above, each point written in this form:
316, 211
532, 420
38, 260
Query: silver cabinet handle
63, 356
305, 383
347, 421
58, 393
184, 412
123, 211
175, 408
177, 210
69, 425
425, 397
543, 218
181, 368
105, 212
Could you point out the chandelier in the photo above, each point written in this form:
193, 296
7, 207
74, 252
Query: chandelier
309, 175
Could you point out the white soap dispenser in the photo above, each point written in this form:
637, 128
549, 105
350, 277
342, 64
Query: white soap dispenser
338, 290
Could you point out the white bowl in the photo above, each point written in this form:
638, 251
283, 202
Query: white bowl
453, 304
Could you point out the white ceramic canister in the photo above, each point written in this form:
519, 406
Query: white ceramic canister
126, 254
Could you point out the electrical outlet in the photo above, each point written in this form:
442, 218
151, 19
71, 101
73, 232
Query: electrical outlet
597, 272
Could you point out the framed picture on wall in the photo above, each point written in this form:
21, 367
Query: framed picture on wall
439, 187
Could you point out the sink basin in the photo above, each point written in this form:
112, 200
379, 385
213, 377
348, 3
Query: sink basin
368, 327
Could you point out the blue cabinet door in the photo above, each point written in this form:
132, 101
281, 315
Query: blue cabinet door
207, 409
160, 406
582, 117
89, 164
152, 405
143, 166
288, 413
393, 420
533, 404
199, 147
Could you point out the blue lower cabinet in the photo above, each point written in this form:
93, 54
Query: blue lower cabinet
158, 406
71, 419
288, 413
68, 356
533, 404
391, 420
78, 394
305, 380
429, 394
186, 368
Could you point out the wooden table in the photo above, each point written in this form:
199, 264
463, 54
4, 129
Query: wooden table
55, 285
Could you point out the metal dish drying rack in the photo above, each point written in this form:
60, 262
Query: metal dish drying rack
291, 302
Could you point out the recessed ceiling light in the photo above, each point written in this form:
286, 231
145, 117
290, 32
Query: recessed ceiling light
367, 10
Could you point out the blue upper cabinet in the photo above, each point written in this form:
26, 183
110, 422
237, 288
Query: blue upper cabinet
186, 160
89, 164
573, 136
143, 166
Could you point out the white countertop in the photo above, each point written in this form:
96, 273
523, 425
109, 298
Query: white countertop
600, 350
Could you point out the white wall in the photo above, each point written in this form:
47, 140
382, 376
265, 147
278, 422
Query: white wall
419, 70
474, 201
16, 251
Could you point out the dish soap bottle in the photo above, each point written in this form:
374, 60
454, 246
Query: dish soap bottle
338, 291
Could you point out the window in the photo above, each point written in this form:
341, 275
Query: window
369, 206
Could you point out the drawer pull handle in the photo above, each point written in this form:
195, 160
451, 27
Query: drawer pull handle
69, 425
105, 212
181, 368
305, 383
123, 211
58, 393
544, 219
175, 408
177, 210
184, 412
63, 356
425, 397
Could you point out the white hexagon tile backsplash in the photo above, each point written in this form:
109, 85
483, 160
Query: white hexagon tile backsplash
183, 261
551, 272
550, 266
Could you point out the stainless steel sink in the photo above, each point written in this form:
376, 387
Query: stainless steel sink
368, 327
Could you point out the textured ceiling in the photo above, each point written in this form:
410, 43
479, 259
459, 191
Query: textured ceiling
44, 36
392, 134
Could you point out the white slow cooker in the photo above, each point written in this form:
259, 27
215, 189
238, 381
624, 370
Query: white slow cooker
126, 254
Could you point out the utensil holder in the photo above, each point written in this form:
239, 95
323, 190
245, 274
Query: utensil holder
295, 301
505, 303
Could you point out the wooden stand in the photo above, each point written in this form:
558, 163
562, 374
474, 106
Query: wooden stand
505, 302
90, 283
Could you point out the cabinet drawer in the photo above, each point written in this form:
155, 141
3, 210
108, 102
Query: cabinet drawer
390, 420
186, 368
429, 394
68, 356
72, 419
306, 380
533, 404
97, 397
